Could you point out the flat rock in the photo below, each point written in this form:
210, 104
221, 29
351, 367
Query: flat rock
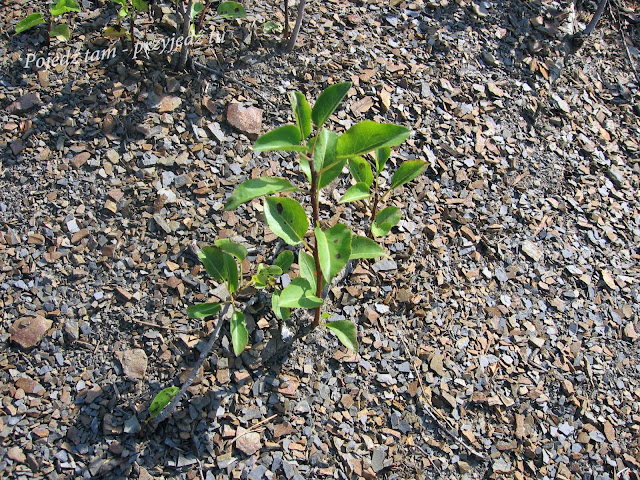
28, 331
385, 265
134, 363
531, 250
247, 120
248, 442
24, 103
377, 459
16, 454
164, 103
616, 176
436, 364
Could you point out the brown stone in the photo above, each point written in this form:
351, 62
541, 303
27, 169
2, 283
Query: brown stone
80, 159
247, 120
24, 103
35, 239
134, 363
436, 364
29, 331
79, 235
16, 454
248, 442
123, 293
169, 103
282, 429
29, 385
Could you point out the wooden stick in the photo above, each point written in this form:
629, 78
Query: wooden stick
296, 29
596, 18
169, 409
155, 325
616, 16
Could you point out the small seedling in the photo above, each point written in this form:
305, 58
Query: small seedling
128, 10
190, 10
60, 31
322, 252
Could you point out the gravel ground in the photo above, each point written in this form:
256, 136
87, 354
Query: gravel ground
500, 340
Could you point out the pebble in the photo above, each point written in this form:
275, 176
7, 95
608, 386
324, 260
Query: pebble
29, 331
247, 120
134, 363
24, 103
248, 442
16, 454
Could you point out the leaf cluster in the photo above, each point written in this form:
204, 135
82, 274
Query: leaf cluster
60, 31
322, 253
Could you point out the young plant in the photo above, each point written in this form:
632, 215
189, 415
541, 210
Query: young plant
59, 31
190, 10
322, 252
127, 11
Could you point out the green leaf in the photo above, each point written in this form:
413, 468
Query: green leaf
220, 265
382, 155
324, 158
367, 136
64, 6
358, 191
346, 333
307, 268
61, 32
120, 2
196, 9
202, 310
334, 249
298, 294
285, 138
271, 27
239, 333
284, 260
123, 12
407, 172
260, 281
286, 218
141, 5
363, 247
270, 270
282, 313
161, 400
302, 112
231, 10
257, 187
327, 102
235, 249
385, 221
115, 32
29, 22
361, 170
305, 167
232, 272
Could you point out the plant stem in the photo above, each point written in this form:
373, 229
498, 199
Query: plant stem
316, 223
202, 14
186, 23
132, 33
285, 35
374, 209
296, 28
169, 409
596, 17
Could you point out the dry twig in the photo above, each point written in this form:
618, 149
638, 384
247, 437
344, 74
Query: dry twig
169, 409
